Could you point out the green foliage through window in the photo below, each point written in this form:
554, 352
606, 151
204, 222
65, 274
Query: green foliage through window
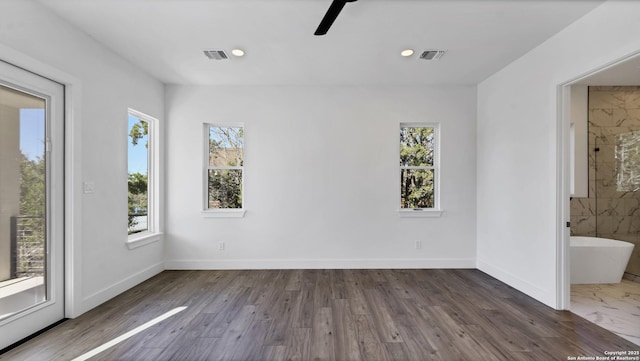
32, 186
225, 167
417, 167
30, 226
138, 183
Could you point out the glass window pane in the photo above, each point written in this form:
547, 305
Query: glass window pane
417, 146
23, 196
138, 197
226, 146
416, 188
225, 188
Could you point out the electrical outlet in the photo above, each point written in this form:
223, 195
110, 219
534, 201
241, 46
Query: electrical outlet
221, 246
418, 244
88, 187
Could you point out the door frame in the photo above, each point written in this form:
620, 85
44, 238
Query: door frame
563, 91
72, 172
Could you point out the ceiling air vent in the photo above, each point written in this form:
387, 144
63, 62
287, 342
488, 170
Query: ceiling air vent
216, 54
432, 54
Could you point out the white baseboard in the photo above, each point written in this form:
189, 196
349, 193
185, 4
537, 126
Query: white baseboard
521, 285
111, 291
398, 263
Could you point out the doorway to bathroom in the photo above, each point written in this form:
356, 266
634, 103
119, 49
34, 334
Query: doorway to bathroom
600, 195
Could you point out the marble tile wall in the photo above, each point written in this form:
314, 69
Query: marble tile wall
612, 209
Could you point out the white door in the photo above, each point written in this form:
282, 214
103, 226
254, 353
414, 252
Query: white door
31, 203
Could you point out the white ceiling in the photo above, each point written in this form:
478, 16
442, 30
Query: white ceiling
167, 37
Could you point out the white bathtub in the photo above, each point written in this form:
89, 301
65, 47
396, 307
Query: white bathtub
598, 260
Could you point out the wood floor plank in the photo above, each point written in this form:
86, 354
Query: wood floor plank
299, 345
441, 342
416, 346
371, 348
310, 275
391, 301
214, 325
273, 353
304, 315
396, 351
362, 278
198, 349
294, 282
355, 297
381, 315
377, 276
337, 284
282, 314
322, 292
400, 282
510, 333
503, 344
270, 283
346, 337
252, 340
457, 336
220, 301
430, 293
139, 354
234, 336
322, 336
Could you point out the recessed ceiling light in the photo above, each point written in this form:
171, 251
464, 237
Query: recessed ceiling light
237, 52
406, 52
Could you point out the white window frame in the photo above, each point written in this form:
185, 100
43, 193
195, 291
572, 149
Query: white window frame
220, 212
436, 211
152, 234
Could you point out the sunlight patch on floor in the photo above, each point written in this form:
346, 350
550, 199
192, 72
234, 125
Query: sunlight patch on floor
129, 334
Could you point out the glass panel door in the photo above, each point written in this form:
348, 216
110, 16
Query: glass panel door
31, 213
23, 194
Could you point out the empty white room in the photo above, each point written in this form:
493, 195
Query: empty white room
319, 180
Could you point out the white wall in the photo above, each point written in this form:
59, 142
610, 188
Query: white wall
321, 178
517, 146
109, 85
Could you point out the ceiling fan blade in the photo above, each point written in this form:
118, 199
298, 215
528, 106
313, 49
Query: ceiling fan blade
330, 16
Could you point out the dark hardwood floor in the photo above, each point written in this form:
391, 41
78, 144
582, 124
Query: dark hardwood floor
326, 315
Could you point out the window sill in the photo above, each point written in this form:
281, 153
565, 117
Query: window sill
420, 213
143, 239
224, 213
